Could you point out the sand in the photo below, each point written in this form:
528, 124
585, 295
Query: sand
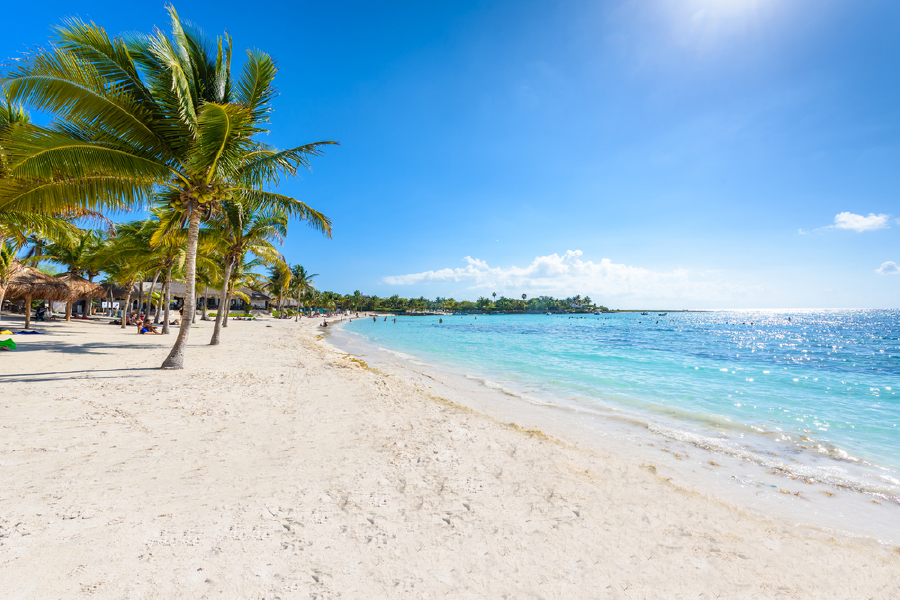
275, 467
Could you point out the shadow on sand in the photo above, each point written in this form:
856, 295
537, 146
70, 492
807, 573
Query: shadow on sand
70, 375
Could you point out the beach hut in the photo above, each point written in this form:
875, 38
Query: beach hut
79, 288
30, 284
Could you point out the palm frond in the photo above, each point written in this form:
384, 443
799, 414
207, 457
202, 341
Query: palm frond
290, 206
72, 88
39, 153
223, 134
255, 90
266, 166
95, 193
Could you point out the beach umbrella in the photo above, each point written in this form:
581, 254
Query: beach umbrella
80, 288
28, 283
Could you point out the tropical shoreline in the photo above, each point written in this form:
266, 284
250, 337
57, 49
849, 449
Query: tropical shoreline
750, 473
308, 472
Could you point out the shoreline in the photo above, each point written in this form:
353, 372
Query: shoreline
275, 465
750, 472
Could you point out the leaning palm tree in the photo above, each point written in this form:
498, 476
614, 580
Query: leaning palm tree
243, 274
148, 119
240, 230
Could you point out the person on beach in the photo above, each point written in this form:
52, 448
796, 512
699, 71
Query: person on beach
440, 320
324, 323
147, 328
374, 319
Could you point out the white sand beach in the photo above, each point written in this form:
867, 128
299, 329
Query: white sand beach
273, 466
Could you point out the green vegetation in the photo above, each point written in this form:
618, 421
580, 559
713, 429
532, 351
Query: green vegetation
540, 304
142, 120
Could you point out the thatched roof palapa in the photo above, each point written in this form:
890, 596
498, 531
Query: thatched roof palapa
28, 282
80, 287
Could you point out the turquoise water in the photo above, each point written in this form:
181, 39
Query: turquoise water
821, 382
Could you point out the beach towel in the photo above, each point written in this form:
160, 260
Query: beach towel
7, 344
26, 332
6, 332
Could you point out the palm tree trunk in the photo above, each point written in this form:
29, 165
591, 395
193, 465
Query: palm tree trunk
203, 304
150, 295
297, 316
68, 310
228, 304
217, 329
27, 312
2, 295
141, 298
127, 307
167, 300
175, 359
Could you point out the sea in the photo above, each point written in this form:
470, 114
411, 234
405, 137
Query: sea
792, 413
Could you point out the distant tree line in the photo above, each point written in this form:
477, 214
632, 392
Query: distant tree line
540, 304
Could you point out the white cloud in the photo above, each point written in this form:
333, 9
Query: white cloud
859, 223
888, 268
569, 274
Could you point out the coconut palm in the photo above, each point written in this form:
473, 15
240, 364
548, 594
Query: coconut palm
301, 284
207, 276
240, 230
148, 119
244, 274
20, 226
279, 281
9, 265
79, 256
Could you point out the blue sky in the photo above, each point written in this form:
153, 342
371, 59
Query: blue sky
679, 154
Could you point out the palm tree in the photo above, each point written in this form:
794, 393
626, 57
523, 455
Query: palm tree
154, 119
240, 231
301, 284
8, 266
242, 275
207, 275
79, 257
312, 298
279, 281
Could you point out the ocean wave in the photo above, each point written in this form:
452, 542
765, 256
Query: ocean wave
406, 357
493, 385
835, 476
